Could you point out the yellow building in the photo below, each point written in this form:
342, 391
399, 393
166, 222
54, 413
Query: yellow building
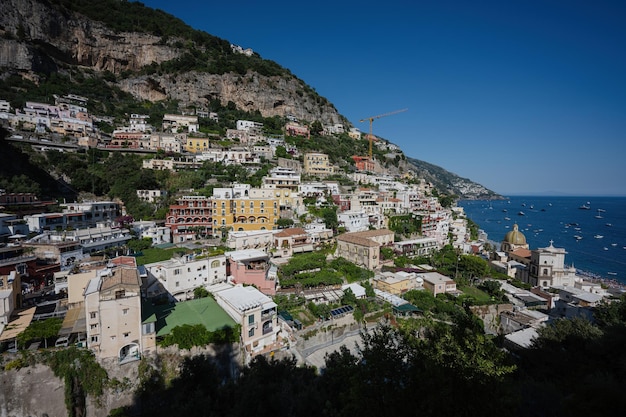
197, 145
317, 164
242, 209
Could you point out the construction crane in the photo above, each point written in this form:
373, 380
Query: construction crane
371, 119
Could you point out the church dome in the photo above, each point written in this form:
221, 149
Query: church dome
515, 237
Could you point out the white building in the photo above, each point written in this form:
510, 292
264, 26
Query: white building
176, 122
248, 126
180, 276
113, 315
139, 122
257, 315
149, 229
354, 221
253, 239
151, 196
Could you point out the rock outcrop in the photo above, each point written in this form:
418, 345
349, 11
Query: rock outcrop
39, 38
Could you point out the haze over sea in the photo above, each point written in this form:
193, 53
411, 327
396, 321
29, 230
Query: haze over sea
594, 238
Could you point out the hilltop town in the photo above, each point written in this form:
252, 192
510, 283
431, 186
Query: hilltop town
240, 243
190, 257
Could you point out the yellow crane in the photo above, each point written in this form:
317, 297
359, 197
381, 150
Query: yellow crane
372, 118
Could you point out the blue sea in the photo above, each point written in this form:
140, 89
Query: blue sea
592, 230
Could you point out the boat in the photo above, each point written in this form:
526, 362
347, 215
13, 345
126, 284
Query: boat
521, 213
598, 216
609, 225
507, 218
578, 237
585, 207
504, 210
605, 248
598, 236
601, 210
612, 273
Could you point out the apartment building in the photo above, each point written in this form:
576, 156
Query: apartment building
181, 275
197, 145
436, 283
177, 122
257, 315
363, 248
150, 229
317, 164
251, 267
290, 241
254, 239
242, 208
151, 196
192, 216
113, 315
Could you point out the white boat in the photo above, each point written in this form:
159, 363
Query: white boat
598, 236
598, 216
577, 237
612, 273
521, 213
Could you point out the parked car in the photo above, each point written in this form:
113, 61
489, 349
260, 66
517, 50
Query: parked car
62, 342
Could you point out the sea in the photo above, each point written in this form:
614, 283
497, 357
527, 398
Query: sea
592, 230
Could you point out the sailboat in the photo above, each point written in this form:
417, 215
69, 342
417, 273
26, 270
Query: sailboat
598, 216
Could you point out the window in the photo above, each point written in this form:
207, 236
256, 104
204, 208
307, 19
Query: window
177, 272
93, 326
92, 315
94, 339
125, 311
120, 294
251, 319
126, 334
251, 332
177, 283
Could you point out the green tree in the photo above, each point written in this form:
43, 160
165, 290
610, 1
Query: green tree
40, 330
200, 292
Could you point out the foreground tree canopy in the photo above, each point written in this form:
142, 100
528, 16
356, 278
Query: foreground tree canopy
417, 367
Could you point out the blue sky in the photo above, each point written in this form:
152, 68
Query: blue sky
523, 97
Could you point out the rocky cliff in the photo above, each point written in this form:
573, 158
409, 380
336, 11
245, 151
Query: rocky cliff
40, 37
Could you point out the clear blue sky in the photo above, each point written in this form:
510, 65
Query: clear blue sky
523, 97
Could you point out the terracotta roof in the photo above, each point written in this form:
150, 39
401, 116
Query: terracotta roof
372, 233
125, 260
121, 276
357, 240
521, 252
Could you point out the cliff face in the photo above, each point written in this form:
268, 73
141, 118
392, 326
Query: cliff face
46, 34
37, 37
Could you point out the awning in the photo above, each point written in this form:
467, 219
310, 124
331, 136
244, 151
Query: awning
18, 325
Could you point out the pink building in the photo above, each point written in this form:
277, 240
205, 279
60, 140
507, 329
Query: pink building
251, 267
